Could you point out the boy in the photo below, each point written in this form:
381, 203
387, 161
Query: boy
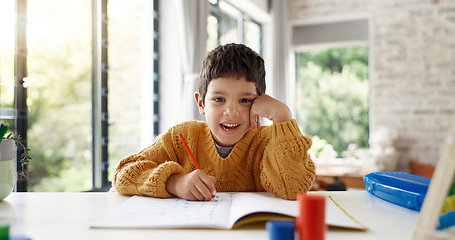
234, 152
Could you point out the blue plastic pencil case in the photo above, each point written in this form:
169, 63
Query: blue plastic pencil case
404, 189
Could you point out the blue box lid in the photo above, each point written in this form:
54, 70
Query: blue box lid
404, 189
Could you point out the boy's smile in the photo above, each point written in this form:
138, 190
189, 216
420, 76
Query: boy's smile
227, 108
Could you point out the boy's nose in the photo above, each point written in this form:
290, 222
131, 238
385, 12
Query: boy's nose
231, 110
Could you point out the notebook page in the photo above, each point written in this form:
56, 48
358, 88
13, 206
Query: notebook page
148, 212
247, 203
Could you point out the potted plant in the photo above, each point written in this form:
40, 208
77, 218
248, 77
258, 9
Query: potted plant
25, 158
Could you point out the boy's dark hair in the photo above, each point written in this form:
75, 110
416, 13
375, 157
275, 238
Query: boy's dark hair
232, 60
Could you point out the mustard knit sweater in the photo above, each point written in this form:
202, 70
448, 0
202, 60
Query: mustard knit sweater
270, 158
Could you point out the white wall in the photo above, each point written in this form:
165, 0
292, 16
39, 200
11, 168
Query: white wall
412, 67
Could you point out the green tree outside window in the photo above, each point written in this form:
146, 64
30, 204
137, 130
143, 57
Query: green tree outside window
332, 95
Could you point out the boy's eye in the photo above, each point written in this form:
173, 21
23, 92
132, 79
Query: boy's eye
218, 99
245, 100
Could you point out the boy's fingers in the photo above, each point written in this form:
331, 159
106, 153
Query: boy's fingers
256, 121
200, 191
212, 187
195, 189
191, 188
209, 185
189, 193
253, 120
203, 192
200, 186
254, 114
197, 193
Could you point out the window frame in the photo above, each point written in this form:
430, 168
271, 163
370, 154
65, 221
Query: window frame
215, 11
20, 72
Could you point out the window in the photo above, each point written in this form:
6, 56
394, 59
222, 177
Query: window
13, 72
332, 96
59, 95
227, 24
332, 86
132, 81
7, 83
58, 59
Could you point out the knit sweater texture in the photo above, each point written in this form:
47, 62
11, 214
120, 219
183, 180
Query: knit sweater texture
270, 158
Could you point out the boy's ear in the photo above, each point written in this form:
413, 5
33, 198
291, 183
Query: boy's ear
199, 103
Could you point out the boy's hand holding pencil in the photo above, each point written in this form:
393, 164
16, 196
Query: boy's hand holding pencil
196, 185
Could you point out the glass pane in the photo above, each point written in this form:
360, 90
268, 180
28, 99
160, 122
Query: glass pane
228, 24
252, 35
130, 58
59, 94
212, 32
332, 97
7, 32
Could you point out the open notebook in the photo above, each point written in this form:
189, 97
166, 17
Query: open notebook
225, 211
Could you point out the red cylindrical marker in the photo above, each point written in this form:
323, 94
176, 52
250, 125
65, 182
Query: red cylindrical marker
311, 219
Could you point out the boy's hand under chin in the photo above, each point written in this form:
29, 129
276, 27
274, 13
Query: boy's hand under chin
268, 107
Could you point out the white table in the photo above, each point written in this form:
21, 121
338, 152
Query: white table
68, 216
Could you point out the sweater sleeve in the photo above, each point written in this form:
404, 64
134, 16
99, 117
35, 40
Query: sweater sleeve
286, 168
146, 172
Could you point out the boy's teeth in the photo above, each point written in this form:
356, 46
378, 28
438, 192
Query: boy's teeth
229, 126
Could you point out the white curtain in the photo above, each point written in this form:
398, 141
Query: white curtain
191, 16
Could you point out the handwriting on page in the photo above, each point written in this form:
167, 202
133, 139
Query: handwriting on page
187, 211
165, 213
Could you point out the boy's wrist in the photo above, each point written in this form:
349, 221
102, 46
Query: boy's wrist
282, 115
171, 184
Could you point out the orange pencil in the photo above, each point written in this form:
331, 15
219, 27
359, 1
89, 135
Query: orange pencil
191, 154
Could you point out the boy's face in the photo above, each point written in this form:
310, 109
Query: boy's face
227, 108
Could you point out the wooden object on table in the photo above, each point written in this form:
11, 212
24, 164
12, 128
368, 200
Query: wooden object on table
437, 191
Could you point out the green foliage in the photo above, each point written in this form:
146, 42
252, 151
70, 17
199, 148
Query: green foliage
332, 95
25, 157
59, 95
3, 129
68, 179
318, 145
